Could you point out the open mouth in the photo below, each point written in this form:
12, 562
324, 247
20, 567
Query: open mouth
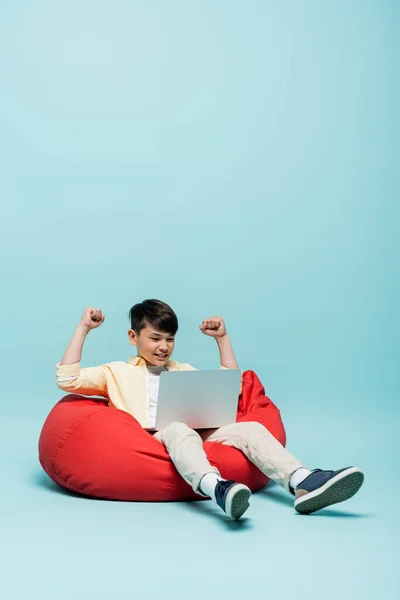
161, 356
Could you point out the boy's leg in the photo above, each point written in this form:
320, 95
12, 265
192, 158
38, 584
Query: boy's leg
313, 490
260, 447
185, 448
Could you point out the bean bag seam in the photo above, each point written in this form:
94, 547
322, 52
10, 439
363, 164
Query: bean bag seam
65, 438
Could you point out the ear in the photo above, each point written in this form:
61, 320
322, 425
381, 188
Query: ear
132, 337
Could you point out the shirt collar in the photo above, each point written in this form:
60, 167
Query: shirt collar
138, 361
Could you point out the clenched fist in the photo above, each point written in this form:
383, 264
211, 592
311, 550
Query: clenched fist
92, 318
214, 327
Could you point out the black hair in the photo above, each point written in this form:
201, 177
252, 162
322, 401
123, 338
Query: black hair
156, 313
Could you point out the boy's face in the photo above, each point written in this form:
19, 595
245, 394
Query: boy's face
154, 346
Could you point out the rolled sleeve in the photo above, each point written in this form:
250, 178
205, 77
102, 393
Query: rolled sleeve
68, 370
89, 381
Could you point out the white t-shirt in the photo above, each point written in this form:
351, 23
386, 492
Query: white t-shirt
154, 377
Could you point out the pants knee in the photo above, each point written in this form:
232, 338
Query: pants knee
251, 429
253, 426
176, 429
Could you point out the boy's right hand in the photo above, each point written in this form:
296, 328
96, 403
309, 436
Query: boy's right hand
92, 318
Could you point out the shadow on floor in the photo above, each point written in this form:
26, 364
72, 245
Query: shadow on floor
41, 480
272, 492
208, 508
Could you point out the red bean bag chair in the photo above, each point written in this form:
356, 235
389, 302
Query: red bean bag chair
95, 450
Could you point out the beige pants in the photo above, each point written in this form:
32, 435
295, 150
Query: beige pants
185, 447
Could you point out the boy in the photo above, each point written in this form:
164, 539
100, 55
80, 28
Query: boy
133, 386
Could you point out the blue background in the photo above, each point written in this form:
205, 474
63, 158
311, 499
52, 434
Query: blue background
229, 158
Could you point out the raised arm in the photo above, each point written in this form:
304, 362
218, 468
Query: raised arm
215, 327
69, 375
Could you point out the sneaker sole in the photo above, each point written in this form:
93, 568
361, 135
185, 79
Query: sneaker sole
237, 501
341, 487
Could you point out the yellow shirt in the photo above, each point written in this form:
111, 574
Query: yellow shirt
124, 384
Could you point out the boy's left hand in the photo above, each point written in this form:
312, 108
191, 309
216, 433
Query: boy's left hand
214, 327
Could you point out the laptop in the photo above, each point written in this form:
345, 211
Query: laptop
201, 399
